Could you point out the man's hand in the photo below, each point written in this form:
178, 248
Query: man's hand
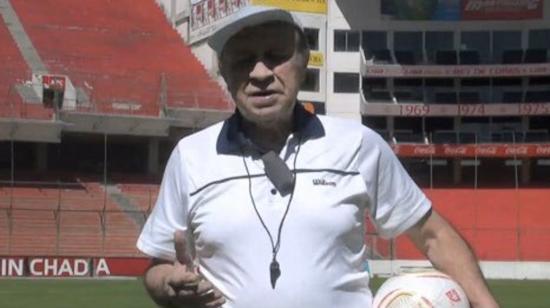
179, 284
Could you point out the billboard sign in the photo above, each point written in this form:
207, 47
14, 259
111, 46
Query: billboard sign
421, 9
71, 267
502, 9
454, 10
307, 6
208, 15
472, 150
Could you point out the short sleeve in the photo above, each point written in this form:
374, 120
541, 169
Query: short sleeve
170, 212
396, 203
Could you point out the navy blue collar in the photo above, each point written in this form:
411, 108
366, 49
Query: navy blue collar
229, 140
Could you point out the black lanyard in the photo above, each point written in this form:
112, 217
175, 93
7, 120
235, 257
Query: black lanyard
277, 172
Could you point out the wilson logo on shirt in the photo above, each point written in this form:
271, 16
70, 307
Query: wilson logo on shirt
323, 182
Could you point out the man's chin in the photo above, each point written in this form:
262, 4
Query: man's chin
268, 116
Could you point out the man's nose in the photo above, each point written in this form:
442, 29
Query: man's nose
261, 72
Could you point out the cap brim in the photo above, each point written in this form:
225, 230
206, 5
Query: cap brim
248, 16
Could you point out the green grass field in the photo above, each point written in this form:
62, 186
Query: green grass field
130, 293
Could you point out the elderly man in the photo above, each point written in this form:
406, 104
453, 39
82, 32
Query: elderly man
266, 209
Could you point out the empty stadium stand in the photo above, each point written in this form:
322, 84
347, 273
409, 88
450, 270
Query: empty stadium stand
15, 71
33, 231
80, 233
13, 67
4, 231
128, 67
143, 196
70, 220
121, 57
500, 224
120, 234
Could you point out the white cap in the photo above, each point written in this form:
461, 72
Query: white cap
249, 16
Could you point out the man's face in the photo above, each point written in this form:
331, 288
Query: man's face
263, 69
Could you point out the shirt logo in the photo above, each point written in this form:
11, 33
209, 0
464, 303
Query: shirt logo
323, 182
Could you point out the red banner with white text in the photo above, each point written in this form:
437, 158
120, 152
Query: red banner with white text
502, 9
51, 267
472, 150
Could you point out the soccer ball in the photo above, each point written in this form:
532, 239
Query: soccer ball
421, 290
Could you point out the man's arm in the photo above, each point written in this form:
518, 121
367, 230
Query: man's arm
177, 284
448, 252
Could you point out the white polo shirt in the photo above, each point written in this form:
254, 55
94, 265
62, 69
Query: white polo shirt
343, 172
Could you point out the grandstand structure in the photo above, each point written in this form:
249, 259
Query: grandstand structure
461, 91
93, 96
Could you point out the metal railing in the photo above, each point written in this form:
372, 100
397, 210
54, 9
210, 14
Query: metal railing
141, 94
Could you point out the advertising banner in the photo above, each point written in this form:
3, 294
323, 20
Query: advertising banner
208, 15
307, 6
471, 150
502, 9
454, 10
458, 71
452, 110
120, 266
71, 267
421, 9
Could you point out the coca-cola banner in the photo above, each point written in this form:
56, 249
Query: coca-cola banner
472, 150
502, 9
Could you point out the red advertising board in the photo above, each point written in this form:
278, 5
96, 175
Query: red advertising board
502, 9
71, 267
472, 150
120, 266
